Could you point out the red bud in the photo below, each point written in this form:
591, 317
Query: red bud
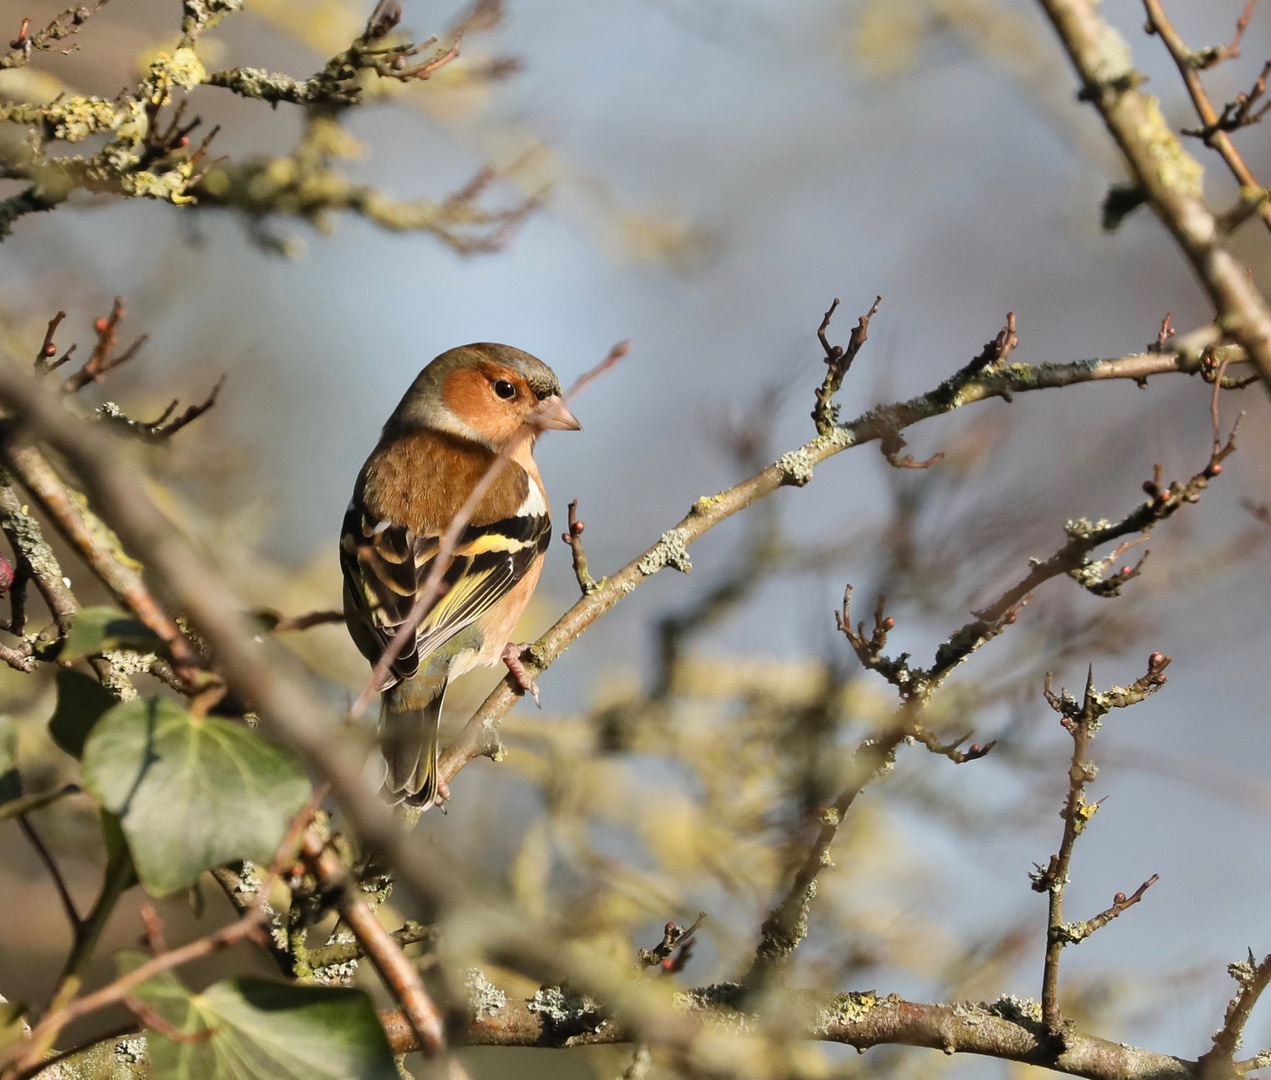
889, 623
100, 324
1119, 898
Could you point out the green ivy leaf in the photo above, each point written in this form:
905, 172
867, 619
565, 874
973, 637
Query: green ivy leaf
255, 1029
190, 794
100, 629
81, 701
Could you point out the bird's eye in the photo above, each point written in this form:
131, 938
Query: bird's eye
505, 389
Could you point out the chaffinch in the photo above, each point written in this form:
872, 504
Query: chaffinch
456, 419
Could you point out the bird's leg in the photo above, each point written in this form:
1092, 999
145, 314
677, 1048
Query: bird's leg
512, 657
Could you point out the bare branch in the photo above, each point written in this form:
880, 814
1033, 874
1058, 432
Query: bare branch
166, 425
573, 536
1001, 1029
399, 974
63, 26
1253, 977
839, 361
1162, 170
1074, 933
673, 938
1081, 718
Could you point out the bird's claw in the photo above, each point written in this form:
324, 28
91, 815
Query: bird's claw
512, 657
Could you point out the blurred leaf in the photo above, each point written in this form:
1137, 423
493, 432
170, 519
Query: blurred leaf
191, 794
81, 701
11, 1026
10, 781
99, 629
254, 1029
27, 803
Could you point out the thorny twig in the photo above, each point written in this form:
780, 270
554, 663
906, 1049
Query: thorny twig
1072, 559
838, 361
971, 383
1240, 112
1081, 719
952, 750
1253, 977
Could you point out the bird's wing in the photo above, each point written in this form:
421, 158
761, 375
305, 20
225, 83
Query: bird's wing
386, 566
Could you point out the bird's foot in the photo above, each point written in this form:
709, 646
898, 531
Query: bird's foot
512, 657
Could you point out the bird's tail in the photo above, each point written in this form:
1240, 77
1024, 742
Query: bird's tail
412, 718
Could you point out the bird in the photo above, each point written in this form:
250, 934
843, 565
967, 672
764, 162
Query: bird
472, 408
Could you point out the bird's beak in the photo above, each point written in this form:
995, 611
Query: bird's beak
553, 414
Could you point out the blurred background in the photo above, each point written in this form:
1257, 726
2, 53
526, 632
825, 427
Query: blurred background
708, 177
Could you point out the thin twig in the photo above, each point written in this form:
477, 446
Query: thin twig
1214, 135
1120, 903
673, 938
398, 973
1253, 978
573, 536
1081, 720
342, 952
281, 624
50, 864
91, 539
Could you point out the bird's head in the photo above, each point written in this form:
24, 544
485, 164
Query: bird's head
487, 393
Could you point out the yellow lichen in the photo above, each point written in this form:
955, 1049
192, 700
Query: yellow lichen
1175, 167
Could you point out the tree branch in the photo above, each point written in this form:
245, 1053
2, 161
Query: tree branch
1007, 1029
293, 713
1081, 719
1163, 171
1213, 131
